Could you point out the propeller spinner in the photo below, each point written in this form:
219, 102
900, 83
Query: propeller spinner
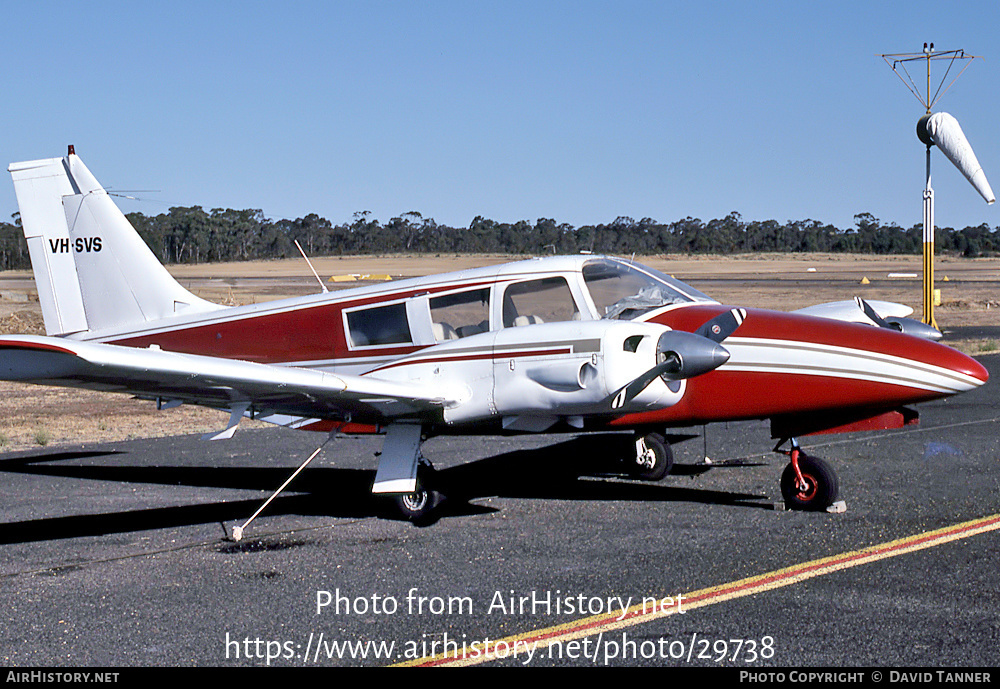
681, 354
908, 326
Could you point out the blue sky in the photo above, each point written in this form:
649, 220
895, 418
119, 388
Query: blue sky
577, 111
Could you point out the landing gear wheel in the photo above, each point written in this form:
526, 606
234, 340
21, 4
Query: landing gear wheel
653, 458
820, 489
420, 505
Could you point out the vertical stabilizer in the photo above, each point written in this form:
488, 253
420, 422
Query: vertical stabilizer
40, 186
92, 268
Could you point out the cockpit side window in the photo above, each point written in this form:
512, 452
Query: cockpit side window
454, 316
547, 300
380, 325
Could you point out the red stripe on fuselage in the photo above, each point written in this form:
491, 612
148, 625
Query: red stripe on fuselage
306, 332
40, 346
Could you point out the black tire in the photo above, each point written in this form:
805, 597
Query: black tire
657, 462
420, 506
822, 486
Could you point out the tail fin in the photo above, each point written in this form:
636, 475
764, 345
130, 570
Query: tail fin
92, 269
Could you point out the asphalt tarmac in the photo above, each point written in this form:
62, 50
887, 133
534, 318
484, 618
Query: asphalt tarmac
118, 555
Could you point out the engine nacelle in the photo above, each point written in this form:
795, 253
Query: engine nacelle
534, 375
916, 328
575, 367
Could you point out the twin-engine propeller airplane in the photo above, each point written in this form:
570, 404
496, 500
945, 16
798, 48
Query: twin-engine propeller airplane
562, 344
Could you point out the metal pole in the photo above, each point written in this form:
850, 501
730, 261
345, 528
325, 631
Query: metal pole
238, 530
929, 217
928, 52
929, 248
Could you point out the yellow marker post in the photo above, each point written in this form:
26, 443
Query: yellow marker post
929, 247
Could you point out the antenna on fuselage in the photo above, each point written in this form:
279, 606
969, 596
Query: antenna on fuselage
309, 263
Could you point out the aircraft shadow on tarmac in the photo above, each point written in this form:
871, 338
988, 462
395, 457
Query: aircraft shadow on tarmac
554, 472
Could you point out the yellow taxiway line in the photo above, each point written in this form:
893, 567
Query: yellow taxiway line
639, 614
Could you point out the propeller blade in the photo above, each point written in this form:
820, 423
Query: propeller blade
683, 355
723, 325
871, 313
671, 366
944, 131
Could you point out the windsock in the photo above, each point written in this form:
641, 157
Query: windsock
943, 130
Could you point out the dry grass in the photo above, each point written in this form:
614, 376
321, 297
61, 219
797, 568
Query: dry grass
33, 415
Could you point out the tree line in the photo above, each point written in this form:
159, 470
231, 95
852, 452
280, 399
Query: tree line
194, 235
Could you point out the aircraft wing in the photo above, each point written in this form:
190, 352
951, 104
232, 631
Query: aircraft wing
850, 311
212, 381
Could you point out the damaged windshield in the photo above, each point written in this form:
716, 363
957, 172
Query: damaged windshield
624, 291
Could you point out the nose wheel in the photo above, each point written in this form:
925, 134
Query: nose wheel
808, 483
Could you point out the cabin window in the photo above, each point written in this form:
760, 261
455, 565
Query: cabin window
454, 316
548, 300
382, 325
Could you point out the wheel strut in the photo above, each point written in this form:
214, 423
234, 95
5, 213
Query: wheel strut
807, 483
794, 455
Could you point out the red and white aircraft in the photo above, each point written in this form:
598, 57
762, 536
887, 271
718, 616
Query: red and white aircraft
561, 344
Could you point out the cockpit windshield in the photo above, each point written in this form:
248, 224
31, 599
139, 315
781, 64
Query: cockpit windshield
624, 291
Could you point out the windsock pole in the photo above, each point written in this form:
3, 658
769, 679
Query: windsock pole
929, 216
929, 248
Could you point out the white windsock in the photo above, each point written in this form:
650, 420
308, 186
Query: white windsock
944, 131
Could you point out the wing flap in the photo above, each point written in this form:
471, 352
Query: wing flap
212, 381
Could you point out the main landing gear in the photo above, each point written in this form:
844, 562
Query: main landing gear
405, 475
807, 483
653, 458
409, 480
418, 506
